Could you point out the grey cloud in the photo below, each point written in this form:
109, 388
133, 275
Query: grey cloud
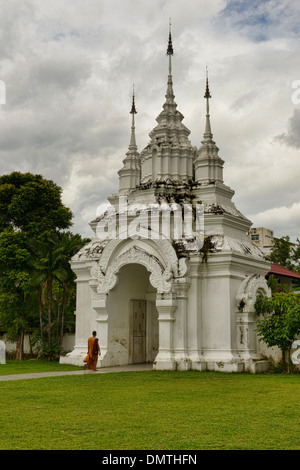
292, 136
261, 20
64, 73
69, 69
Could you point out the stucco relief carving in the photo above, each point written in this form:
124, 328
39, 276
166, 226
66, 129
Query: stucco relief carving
182, 267
165, 251
160, 278
166, 258
243, 336
250, 287
165, 296
107, 252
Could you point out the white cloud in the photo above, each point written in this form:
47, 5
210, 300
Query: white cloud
69, 67
283, 220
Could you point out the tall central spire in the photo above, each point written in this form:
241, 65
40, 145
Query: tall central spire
207, 134
170, 46
132, 145
170, 52
169, 154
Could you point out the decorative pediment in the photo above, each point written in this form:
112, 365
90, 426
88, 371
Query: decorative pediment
250, 288
161, 249
159, 277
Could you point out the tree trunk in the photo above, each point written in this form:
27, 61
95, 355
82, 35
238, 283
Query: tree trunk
20, 346
283, 360
64, 304
40, 313
289, 361
49, 299
58, 321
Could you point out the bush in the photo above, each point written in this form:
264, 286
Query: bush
279, 322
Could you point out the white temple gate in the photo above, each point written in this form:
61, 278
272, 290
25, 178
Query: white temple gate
172, 299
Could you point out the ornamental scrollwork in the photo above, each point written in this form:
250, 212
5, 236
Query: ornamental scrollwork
160, 278
250, 288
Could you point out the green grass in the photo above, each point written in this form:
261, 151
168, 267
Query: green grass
33, 366
151, 411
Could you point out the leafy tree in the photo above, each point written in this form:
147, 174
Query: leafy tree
47, 266
31, 214
285, 254
71, 244
32, 204
276, 286
55, 281
16, 297
279, 322
296, 256
281, 252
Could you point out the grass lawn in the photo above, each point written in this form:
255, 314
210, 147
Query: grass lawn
33, 366
151, 411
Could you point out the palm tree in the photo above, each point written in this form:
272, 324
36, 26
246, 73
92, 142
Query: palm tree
50, 264
47, 264
71, 245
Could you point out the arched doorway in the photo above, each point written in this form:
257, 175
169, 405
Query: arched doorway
132, 317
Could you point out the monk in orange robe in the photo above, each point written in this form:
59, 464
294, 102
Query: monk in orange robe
93, 351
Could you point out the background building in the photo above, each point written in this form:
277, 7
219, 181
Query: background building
263, 238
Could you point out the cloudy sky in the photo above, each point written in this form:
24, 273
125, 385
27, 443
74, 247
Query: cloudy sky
69, 65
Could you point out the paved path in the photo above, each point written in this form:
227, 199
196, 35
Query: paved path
36, 375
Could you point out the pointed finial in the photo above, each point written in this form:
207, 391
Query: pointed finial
133, 110
207, 92
170, 50
207, 95
132, 145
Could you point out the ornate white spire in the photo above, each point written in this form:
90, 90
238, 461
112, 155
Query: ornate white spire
132, 145
208, 164
169, 155
208, 145
207, 133
170, 45
170, 51
129, 175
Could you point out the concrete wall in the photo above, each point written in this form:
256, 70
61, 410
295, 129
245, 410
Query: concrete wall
68, 343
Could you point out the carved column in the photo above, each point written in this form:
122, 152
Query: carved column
84, 314
99, 305
194, 314
246, 343
166, 305
181, 287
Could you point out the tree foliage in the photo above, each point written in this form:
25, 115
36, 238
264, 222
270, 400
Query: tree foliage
32, 204
278, 323
286, 254
37, 287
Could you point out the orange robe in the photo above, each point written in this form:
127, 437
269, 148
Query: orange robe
93, 351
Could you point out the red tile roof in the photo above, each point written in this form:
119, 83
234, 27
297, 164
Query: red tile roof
276, 269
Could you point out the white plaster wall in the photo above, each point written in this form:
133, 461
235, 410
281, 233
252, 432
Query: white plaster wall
215, 315
152, 342
68, 342
221, 278
85, 315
